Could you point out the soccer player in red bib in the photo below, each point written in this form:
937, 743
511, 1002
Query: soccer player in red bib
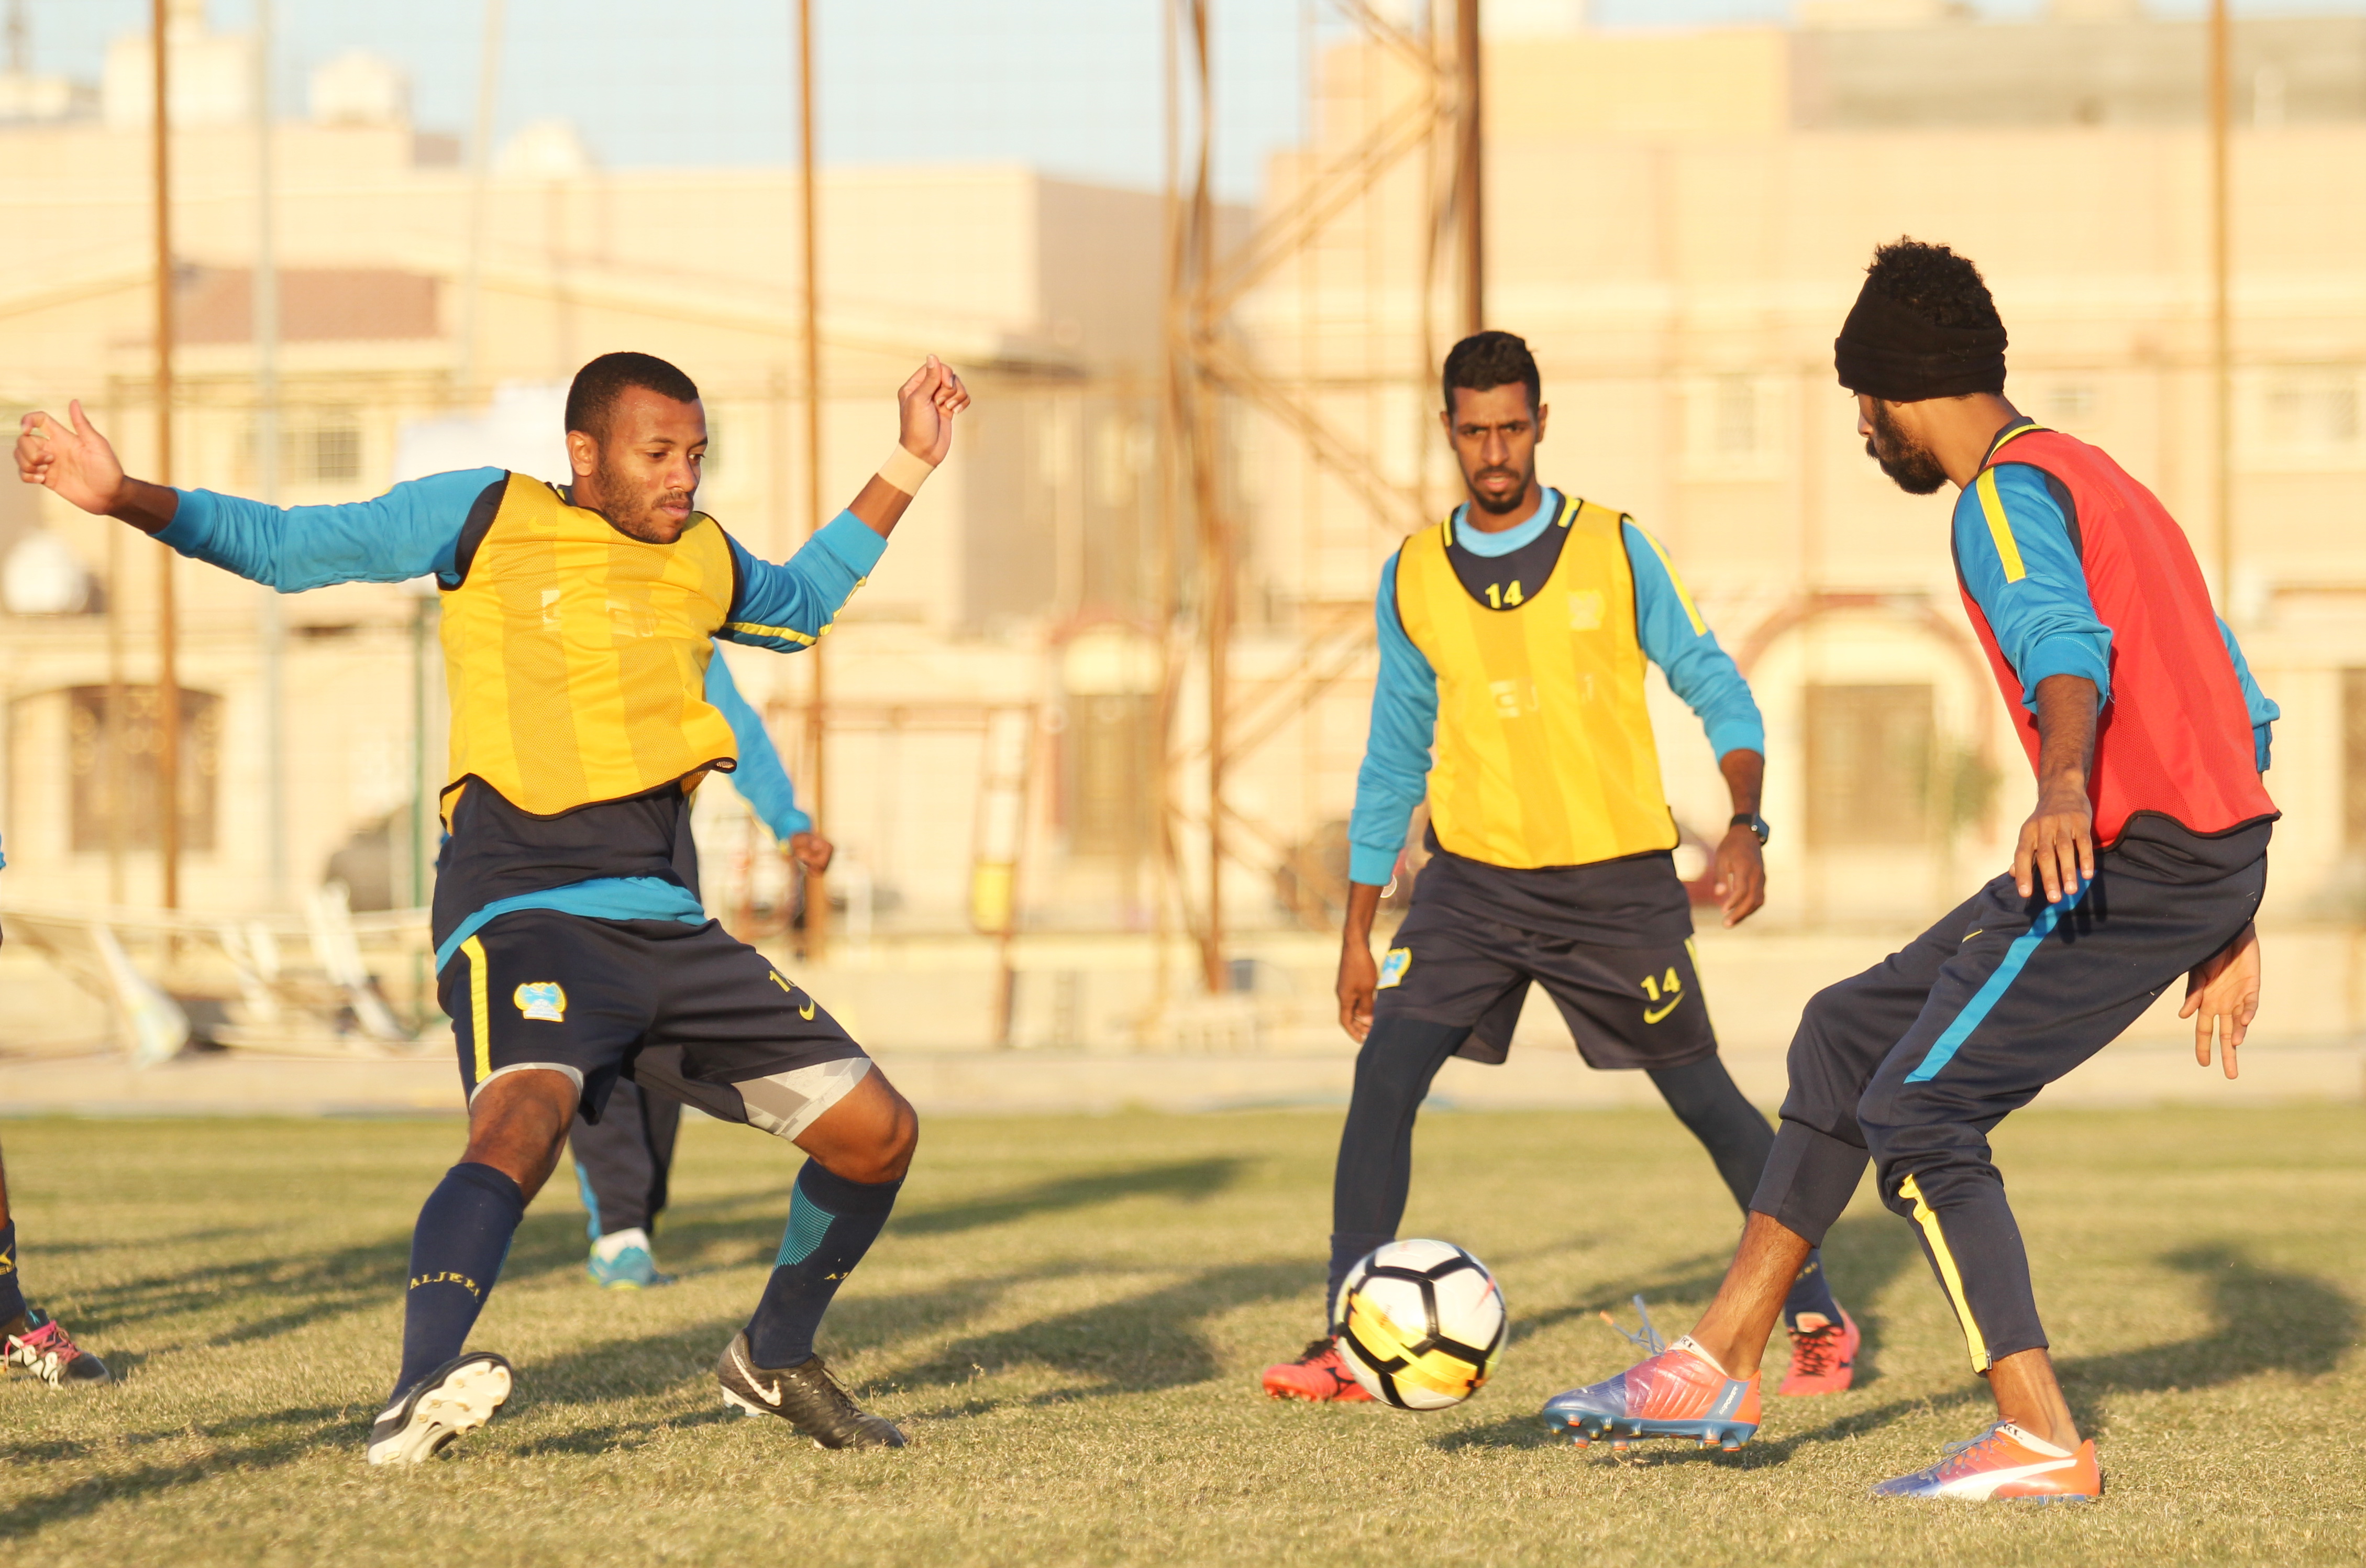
2143, 861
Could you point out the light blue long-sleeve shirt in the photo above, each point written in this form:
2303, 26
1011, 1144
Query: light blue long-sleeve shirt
762, 780
2038, 605
413, 530
1395, 772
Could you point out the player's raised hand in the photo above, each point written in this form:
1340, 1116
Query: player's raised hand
74, 459
928, 401
2223, 991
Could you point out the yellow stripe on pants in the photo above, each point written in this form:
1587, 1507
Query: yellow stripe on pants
480, 1012
1928, 1218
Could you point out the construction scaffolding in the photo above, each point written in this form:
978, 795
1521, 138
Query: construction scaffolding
1432, 74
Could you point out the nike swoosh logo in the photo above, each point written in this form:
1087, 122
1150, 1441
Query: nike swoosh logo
806, 1012
1974, 932
771, 1396
1650, 1016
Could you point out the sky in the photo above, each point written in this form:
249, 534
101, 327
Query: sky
1071, 86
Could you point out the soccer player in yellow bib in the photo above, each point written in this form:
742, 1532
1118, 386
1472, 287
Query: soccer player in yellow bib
1513, 640
571, 952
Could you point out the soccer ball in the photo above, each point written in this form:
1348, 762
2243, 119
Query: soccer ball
1420, 1323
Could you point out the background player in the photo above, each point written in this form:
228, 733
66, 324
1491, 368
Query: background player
577, 626
623, 1161
1513, 638
2148, 737
29, 1337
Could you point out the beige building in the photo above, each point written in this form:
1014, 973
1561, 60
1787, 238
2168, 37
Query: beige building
395, 328
1676, 222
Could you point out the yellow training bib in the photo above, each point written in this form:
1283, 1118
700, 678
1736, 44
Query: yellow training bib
1545, 754
576, 656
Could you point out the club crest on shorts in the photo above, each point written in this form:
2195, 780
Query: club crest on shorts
1393, 967
544, 1000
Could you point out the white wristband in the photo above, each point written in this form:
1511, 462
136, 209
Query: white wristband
905, 472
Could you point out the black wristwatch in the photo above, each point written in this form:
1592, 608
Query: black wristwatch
1751, 820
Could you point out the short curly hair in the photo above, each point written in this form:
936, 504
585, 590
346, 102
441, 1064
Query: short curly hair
1934, 282
1492, 359
600, 383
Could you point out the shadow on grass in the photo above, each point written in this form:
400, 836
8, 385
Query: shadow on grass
1189, 1181
1137, 1345
294, 1289
255, 1443
2269, 1320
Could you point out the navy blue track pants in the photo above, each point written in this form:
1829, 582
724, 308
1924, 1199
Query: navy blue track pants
1912, 1062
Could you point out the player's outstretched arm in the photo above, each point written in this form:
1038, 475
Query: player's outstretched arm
77, 462
788, 605
408, 532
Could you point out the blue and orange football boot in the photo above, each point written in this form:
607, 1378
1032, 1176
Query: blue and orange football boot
1823, 1361
1678, 1393
1318, 1374
2005, 1462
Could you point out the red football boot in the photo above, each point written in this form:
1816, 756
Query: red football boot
1318, 1374
1823, 1361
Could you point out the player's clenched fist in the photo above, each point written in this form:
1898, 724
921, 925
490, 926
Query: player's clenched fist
928, 401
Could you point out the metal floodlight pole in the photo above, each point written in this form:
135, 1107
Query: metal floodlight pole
271, 623
817, 710
2221, 310
480, 168
168, 681
1469, 167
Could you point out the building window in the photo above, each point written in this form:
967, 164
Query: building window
2353, 759
1869, 766
1729, 428
321, 447
2072, 403
1112, 772
2308, 416
115, 798
331, 454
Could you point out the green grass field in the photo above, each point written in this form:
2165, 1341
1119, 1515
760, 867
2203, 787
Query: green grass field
1068, 1315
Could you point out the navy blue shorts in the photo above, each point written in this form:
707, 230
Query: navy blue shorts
685, 1011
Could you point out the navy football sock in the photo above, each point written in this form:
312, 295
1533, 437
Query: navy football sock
1347, 1250
832, 1222
1811, 1290
12, 1295
456, 1254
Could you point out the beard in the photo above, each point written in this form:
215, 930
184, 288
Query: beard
1510, 504
641, 523
1912, 468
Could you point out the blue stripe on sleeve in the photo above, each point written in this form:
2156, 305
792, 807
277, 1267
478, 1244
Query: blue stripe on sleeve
1395, 772
2262, 709
787, 606
1698, 671
408, 532
2044, 619
760, 779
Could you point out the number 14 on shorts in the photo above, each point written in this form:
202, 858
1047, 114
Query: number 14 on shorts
1664, 992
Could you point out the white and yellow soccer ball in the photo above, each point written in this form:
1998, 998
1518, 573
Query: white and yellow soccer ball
1420, 1323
